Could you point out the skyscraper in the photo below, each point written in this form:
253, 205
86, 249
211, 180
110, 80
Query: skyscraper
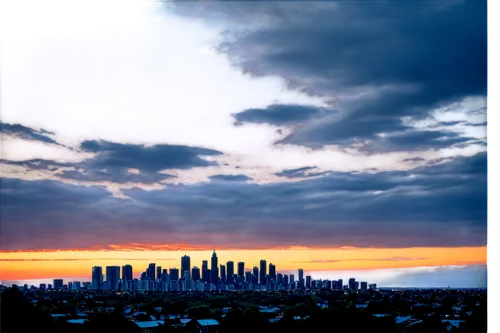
185, 264
255, 275
151, 271
352, 284
158, 272
263, 272
127, 273
308, 281
214, 269
96, 277
241, 270
58, 283
272, 272
222, 273
230, 272
112, 276
195, 273
204, 271
174, 274
340, 284
248, 277
364, 285
301, 278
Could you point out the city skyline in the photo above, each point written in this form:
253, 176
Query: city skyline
329, 136
187, 279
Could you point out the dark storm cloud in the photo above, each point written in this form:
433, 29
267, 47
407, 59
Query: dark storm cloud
231, 178
414, 159
300, 173
113, 161
439, 205
279, 114
152, 159
26, 133
38, 164
377, 61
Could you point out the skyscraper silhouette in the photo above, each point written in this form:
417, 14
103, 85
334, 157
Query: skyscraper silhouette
263, 271
127, 273
185, 264
214, 269
230, 272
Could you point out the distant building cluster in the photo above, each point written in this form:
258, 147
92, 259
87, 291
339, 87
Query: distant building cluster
215, 277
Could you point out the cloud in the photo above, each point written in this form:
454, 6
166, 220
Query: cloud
300, 173
318, 261
26, 133
124, 163
470, 276
76, 259
39, 164
439, 205
363, 58
235, 178
282, 115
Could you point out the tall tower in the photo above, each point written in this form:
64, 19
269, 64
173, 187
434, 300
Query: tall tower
214, 271
272, 271
263, 272
127, 273
96, 277
185, 264
230, 272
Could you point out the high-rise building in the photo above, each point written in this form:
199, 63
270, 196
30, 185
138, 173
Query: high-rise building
230, 272
205, 271
195, 274
97, 277
127, 273
241, 270
151, 271
43, 286
112, 276
185, 264
263, 272
58, 283
158, 272
272, 272
352, 284
285, 280
222, 273
255, 275
174, 274
301, 278
340, 284
214, 268
308, 281
292, 278
248, 277
364, 285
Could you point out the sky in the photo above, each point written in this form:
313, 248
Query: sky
344, 138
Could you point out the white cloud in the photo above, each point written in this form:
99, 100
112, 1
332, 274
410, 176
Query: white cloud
133, 72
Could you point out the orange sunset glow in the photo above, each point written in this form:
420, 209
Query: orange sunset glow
38, 264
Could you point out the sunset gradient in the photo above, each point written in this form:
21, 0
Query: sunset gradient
332, 136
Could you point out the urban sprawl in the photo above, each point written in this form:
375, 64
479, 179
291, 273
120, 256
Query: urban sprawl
217, 277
